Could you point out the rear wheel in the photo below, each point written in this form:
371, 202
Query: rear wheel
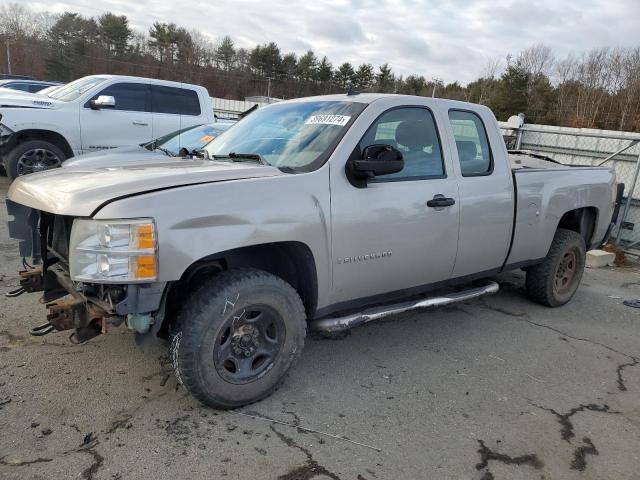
33, 156
237, 337
556, 279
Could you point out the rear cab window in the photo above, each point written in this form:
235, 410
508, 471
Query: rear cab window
474, 153
173, 100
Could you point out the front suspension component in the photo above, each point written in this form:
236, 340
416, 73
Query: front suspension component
67, 314
42, 330
32, 279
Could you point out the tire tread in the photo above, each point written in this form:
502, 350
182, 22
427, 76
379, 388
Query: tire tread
193, 313
540, 277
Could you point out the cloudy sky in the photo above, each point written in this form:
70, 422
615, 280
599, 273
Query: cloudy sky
451, 39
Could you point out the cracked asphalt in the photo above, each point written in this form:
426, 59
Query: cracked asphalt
497, 388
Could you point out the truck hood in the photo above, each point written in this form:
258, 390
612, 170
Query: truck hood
27, 100
80, 192
119, 157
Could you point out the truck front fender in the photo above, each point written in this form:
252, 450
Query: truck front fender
274, 221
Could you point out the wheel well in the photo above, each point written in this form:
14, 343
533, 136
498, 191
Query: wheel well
582, 221
291, 261
46, 135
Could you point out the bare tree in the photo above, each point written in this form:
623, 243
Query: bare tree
563, 76
537, 59
630, 91
491, 67
594, 75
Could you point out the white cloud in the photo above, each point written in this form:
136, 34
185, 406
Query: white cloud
450, 40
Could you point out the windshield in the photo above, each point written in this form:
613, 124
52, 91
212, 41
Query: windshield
297, 136
190, 138
71, 91
48, 90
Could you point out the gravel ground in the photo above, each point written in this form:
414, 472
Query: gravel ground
497, 388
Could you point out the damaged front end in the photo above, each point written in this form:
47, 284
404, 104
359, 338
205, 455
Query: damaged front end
89, 308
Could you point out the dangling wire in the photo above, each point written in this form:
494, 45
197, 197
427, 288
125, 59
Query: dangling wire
25, 264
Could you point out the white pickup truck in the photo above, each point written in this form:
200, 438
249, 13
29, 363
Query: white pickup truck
94, 113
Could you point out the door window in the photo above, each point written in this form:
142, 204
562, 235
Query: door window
180, 101
412, 131
19, 86
129, 96
474, 153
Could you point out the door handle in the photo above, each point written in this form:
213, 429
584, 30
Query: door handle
440, 200
138, 122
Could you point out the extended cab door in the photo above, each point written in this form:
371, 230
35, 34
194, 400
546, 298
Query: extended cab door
127, 123
390, 236
174, 109
486, 191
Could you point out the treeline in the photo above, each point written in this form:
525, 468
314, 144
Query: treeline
599, 88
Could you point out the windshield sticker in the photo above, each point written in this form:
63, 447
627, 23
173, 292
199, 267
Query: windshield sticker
340, 120
206, 138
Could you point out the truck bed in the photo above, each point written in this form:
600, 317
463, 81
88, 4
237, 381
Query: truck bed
525, 160
545, 190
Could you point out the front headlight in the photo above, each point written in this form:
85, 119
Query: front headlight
113, 251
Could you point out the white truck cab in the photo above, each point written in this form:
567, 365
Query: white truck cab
94, 113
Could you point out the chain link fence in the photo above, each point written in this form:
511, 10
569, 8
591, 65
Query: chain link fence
586, 146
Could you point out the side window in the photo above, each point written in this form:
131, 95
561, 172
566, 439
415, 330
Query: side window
412, 131
131, 97
472, 143
180, 101
23, 87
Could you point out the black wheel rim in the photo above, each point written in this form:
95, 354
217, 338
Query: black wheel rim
566, 273
248, 344
37, 160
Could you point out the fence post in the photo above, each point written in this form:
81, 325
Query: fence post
625, 211
519, 138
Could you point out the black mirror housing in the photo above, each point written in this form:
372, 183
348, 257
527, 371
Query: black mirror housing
377, 159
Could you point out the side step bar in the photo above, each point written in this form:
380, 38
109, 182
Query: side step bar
338, 324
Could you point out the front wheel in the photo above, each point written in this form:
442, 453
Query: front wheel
237, 337
33, 156
554, 282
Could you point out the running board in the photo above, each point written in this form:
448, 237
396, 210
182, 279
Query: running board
338, 324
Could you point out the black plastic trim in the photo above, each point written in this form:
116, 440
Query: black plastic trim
515, 217
141, 298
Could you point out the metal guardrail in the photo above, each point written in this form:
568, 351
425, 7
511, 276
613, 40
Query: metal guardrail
621, 150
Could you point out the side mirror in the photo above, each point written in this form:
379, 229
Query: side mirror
103, 101
377, 159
